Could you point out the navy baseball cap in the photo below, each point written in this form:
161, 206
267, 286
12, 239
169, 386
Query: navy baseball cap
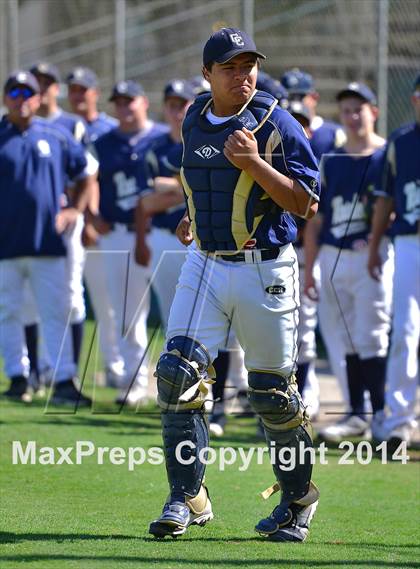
226, 43
179, 88
297, 108
356, 89
45, 68
270, 85
200, 85
21, 77
130, 89
82, 76
297, 82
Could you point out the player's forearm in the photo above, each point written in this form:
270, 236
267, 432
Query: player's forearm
380, 220
285, 192
311, 235
83, 190
141, 221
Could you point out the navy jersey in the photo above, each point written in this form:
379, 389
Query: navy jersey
158, 164
326, 137
73, 123
122, 171
400, 178
34, 167
348, 184
99, 126
228, 205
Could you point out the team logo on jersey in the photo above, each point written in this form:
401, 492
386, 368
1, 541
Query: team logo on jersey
276, 289
43, 148
237, 39
207, 151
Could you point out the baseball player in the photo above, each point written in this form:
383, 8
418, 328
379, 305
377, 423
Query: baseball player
122, 178
325, 134
83, 94
240, 271
35, 163
48, 78
165, 205
358, 305
400, 193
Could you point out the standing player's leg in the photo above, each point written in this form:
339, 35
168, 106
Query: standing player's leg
129, 294
12, 341
95, 278
266, 325
197, 327
75, 262
402, 372
48, 277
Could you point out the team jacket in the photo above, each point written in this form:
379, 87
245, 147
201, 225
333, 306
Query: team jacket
226, 206
348, 184
34, 167
401, 178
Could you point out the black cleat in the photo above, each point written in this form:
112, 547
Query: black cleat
19, 389
66, 393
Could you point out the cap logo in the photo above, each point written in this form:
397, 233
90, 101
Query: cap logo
122, 86
21, 77
43, 67
78, 73
354, 86
237, 39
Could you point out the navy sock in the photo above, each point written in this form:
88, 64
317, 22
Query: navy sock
77, 330
301, 376
221, 365
355, 384
374, 370
31, 337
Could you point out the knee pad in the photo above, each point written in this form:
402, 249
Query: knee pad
276, 400
182, 373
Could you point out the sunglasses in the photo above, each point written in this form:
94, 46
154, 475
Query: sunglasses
17, 92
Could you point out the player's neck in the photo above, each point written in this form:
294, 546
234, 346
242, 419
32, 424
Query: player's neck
363, 144
46, 111
133, 126
221, 109
89, 115
175, 135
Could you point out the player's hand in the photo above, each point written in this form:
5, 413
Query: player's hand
101, 226
89, 235
142, 253
241, 148
310, 287
183, 231
374, 265
66, 219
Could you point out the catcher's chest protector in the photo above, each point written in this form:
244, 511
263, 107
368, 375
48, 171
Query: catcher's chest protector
224, 203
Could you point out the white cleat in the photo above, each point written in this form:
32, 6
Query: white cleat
348, 426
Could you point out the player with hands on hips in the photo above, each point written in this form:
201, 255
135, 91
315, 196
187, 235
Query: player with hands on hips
355, 306
35, 163
246, 164
399, 192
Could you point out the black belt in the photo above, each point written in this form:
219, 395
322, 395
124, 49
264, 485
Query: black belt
251, 256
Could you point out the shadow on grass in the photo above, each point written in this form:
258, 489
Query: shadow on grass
197, 562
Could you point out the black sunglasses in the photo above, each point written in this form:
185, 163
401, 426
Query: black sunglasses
17, 92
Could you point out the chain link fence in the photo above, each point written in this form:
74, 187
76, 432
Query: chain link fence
376, 41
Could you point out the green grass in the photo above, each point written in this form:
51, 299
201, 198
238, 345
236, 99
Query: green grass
96, 516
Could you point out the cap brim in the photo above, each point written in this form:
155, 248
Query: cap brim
81, 84
231, 54
116, 95
352, 93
